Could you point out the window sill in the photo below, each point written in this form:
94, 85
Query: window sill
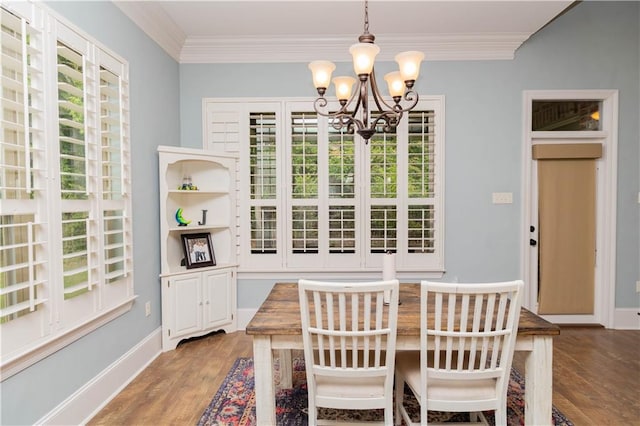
16, 363
369, 275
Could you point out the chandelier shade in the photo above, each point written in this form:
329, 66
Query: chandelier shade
409, 64
395, 83
364, 56
321, 71
400, 84
344, 87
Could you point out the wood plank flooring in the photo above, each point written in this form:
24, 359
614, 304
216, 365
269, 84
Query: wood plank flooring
596, 379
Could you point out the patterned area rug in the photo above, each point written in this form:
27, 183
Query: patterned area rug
234, 403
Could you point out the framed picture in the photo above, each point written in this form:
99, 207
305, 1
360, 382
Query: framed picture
198, 250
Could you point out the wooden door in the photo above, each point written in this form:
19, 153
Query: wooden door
566, 227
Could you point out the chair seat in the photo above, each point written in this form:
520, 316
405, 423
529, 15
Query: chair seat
342, 387
408, 365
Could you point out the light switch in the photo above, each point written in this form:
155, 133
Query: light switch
502, 197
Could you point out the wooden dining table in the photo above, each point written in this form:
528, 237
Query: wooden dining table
276, 326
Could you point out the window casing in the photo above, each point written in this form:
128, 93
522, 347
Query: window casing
65, 225
319, 200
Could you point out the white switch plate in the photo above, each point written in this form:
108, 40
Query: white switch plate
502, 197
147, 308
638, 286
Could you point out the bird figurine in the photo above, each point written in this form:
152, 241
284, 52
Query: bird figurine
181, 220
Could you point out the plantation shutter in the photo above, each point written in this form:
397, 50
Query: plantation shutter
251, 128
315, 198
77, 162
65, 228
422, 220
24, 269
342, 175
115, 169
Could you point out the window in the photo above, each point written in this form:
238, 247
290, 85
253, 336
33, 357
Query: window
566, 115
317, 199
65, 227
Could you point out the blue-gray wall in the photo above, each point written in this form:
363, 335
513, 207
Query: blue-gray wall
595, 45
155, 120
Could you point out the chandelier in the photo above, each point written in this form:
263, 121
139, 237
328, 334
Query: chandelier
400, 85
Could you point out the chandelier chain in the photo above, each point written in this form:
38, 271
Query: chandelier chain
366, 17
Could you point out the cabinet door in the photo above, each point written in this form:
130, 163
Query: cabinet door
218, 301
185, 298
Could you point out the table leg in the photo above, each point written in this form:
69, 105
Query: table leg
263, 377
538, 397
286, 368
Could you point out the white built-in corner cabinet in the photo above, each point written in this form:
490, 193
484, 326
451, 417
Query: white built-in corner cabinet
197, 300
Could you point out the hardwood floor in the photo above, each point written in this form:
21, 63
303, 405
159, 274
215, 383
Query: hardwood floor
596, 379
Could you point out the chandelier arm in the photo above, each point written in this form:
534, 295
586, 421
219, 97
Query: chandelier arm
410, 96
377, 97
341, 118
363, 101
389, 118
321, 102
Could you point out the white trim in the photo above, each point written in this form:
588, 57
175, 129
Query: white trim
252, 49
347, 274
155, 22
626, 319
26, 358
605, 285
87, 401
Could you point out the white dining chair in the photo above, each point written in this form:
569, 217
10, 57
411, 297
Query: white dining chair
349, 337
467, 340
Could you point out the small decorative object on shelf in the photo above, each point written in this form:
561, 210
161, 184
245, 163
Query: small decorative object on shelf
181, 220
198, 250
187, 184
204, 218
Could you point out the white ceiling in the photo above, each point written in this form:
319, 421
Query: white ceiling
218, 31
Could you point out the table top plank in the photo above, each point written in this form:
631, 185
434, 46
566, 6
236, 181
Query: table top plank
279, 314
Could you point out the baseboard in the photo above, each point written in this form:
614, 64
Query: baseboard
244, 316
626, 319
87, 401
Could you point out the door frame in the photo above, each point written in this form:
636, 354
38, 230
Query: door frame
606, 198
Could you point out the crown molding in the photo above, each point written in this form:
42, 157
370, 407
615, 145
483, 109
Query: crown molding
157, 24
154, 21
442, 47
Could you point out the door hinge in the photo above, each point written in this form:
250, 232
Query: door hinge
169, 332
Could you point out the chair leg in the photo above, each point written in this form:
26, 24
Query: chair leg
399, 398
501, 416
388, 415
313, 415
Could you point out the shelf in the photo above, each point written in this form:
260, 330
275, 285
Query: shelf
198, 192
197, 228
184, 270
